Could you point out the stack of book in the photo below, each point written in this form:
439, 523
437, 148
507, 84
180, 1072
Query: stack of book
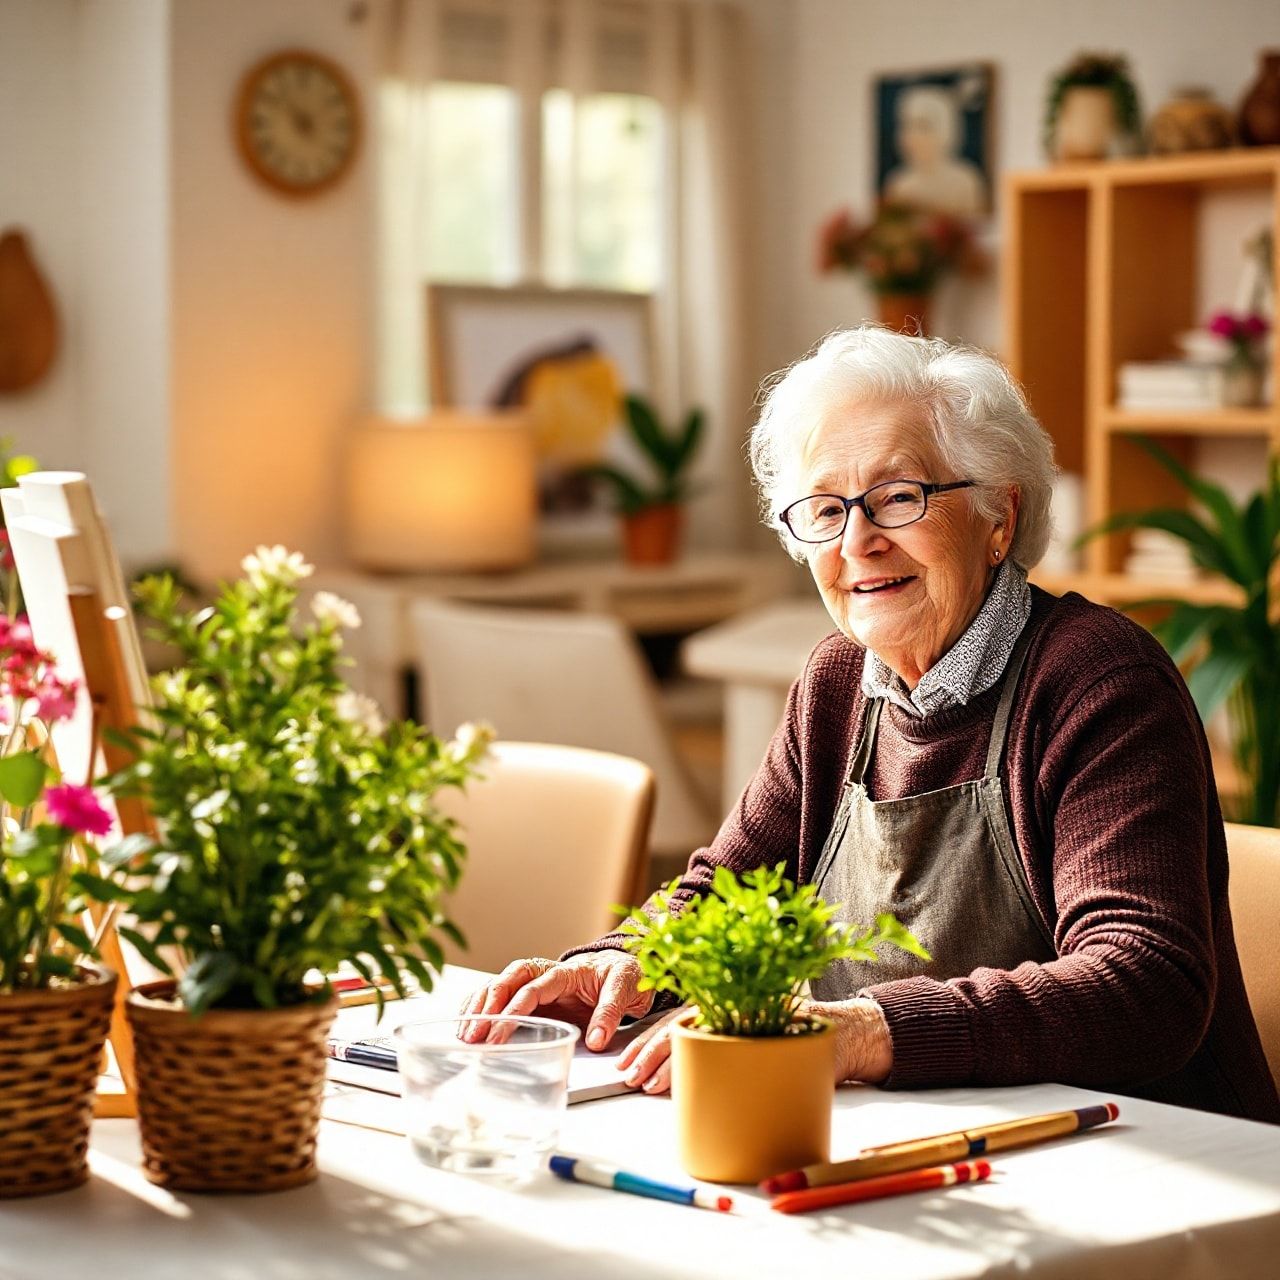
1156, 554
1171, 384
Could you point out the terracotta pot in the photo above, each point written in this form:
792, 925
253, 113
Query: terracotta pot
751, 1106
904, 312
1190, 121
652, 536
1260, 110
229, 1101
50, 1053
1086, 125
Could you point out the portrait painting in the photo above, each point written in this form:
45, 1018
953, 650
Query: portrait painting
566, 357
933, 139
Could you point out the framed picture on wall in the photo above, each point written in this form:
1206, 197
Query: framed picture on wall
566, 356
933, 138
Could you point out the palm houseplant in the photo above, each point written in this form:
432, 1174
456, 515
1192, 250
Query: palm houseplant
652, 506
295, 831
753, 1074
1235, 648
55, 1005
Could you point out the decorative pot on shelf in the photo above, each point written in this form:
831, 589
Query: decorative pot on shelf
652, 535
904, 312
748, 1107
1242, 382
1260, 110
229, 1101
1191, 121
1086, 127
50, 1054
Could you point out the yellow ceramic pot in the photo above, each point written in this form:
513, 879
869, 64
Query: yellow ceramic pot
751, 1106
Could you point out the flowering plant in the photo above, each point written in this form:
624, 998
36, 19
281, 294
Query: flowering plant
901, 250
1243, 333
296, 829
44, 880
12, 467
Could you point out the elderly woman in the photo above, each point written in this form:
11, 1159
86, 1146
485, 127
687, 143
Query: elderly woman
1021, 778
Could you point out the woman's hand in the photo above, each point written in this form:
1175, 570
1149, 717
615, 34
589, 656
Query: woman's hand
595, 990
647, 1059
864, 1048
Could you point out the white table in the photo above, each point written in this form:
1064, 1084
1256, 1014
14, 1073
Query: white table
1164, 1192
757, 655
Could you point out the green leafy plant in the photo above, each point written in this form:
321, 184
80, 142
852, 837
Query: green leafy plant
1095, 71
44, 822
1236, 648
741, 953
296, 830
669, 453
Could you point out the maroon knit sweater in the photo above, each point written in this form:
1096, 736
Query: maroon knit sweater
1116, 817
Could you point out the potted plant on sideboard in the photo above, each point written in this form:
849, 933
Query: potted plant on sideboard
1235, 648
653, 513
55, 1007
296, 831
753, 1075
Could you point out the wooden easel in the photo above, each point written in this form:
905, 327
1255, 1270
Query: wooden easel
79, 611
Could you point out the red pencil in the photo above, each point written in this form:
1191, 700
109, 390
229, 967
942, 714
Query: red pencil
893, 1184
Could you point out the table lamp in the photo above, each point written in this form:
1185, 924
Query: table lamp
453, 491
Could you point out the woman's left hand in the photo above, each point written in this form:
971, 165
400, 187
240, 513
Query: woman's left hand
864, 1048
647, 1059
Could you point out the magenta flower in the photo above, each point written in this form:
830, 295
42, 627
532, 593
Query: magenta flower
1254, 325
1223, 323
77, 809
55, 697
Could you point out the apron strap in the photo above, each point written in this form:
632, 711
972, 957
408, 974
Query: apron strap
1000, 726
862, 757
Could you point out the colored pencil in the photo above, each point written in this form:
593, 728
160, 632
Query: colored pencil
894, 1184
572, 1169
898, 1157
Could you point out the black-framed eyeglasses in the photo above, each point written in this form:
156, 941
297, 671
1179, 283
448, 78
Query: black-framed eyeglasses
823, 516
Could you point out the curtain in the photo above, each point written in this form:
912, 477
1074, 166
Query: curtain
687, 55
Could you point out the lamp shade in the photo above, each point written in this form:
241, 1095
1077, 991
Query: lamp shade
452, 491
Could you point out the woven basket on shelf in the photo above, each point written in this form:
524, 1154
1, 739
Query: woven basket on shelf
50, 1051
229, 1101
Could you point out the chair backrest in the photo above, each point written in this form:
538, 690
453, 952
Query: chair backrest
572, 678
1254, 894
555, 836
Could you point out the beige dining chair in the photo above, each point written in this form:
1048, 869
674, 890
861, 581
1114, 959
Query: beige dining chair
574, 678
1254, 894
555, 837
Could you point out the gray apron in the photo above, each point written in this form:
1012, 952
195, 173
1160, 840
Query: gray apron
945, 863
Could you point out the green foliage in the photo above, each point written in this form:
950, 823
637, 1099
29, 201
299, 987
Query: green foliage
741, 953
1237, 648
296, 832
668, 452
1096, 71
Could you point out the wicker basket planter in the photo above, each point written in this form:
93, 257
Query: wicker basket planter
50, 1051
229, 1101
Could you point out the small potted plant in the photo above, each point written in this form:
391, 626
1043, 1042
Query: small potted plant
753, 1075
1092, 110
652, 511
903, 252
295, 831
55, 1007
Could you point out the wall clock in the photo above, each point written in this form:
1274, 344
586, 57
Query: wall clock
297, 122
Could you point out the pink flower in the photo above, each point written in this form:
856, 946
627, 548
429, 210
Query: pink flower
77, 809
6, 552
1254, 325
1223, 323
55, 697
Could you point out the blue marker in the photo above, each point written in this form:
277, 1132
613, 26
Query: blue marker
572, 1169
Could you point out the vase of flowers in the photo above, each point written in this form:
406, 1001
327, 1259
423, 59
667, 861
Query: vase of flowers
296, 831
902, 252
1244, 368
753, 1074
55, 1007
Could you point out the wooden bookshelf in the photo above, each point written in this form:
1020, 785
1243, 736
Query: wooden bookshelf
1099, 268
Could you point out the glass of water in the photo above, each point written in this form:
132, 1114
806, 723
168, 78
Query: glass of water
491, 1104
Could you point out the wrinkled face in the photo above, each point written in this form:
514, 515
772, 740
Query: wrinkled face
907, 593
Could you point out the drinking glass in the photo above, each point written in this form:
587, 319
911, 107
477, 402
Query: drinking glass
491, 1105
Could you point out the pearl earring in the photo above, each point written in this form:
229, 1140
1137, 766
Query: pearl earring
997, 554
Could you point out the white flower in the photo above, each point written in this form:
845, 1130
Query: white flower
471, 739
330, 608
275, 564
356, 708
306, 771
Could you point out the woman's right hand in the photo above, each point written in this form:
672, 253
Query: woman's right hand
595, 990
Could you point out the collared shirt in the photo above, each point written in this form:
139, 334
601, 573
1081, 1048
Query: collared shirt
973, 664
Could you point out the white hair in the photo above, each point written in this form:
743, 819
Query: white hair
978, 417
